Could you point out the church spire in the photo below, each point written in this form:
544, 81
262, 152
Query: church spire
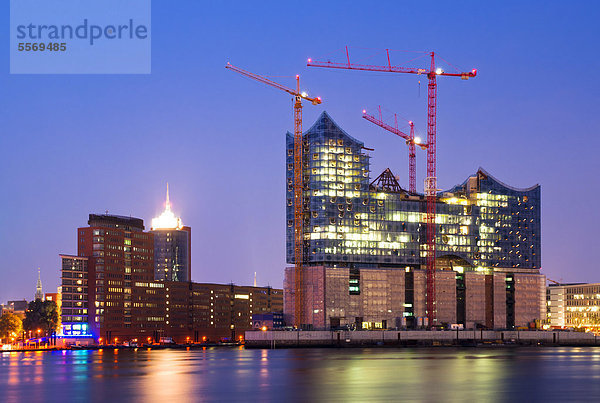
38, 289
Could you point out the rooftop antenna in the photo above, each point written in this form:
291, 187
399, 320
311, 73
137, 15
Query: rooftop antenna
255, 279
168, 203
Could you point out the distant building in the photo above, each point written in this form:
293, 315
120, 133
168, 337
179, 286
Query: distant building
365, 244
575, 305
172, 246
51, 296
17, 307
39, 294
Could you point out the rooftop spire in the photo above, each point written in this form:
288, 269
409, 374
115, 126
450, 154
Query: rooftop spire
167, 219
168, 203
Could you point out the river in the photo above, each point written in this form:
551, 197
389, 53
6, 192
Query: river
310, 375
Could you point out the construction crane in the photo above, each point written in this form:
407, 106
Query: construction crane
431, 179
411, 142
298, 184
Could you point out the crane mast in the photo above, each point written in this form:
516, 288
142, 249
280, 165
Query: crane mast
431, 178
412, 161
298, 186
298, 211
431, 189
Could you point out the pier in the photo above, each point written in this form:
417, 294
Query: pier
344, 338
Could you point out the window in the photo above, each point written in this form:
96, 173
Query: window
354, 282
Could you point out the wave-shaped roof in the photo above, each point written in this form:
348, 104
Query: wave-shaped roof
516, 189
486, 174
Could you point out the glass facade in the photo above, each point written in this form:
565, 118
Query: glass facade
172, 254
350, 220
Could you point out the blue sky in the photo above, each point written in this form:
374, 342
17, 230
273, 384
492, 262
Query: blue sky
71, 145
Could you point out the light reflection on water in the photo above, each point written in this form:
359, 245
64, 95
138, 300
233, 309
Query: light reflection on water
234, 374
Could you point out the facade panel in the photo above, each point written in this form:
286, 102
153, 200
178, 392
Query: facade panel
475, 304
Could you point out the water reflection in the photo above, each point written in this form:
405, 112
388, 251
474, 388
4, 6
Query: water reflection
302, 374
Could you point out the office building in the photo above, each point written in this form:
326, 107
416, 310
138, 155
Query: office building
575, 306
109, 292
172, 246
74, 299
224, 311
120, 253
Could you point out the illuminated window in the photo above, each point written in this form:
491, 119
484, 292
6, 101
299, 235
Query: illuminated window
354, 282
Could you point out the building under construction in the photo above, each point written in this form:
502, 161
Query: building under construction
365, 245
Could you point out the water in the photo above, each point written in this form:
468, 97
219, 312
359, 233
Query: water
357, 375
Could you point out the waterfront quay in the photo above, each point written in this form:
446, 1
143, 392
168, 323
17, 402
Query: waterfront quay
344, 338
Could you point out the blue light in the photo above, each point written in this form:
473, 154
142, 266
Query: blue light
76, 330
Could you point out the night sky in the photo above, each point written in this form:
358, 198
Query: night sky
79, 144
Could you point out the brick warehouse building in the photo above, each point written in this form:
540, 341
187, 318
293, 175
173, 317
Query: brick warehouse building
365, 244
109, 291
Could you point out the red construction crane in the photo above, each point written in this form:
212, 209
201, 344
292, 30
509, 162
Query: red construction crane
410, 142
431, 179
298, 183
